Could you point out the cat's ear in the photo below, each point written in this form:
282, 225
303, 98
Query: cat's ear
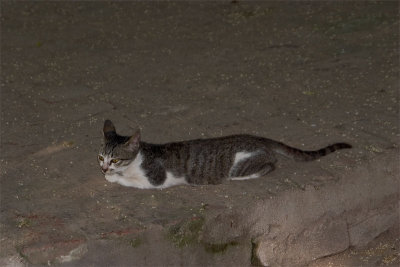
133, 143
108, 129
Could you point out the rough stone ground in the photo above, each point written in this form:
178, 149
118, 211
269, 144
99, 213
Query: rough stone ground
382, 251
305, 73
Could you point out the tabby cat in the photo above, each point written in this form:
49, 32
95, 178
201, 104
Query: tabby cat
130, 162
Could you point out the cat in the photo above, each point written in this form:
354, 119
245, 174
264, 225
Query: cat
130, 162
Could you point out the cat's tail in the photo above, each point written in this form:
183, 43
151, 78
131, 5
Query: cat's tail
301, 155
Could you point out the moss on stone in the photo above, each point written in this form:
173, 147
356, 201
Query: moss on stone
219, 248
186, 233
136, 242
255, 261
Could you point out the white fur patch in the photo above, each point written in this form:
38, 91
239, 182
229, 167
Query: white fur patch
172, 180
133, 175
239, 156
252, 176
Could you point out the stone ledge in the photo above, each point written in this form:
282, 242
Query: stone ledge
290, 229
347, 220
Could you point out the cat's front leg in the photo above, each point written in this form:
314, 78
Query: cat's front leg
111, 178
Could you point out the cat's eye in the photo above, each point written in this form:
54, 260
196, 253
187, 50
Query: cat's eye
101, 158
114, 161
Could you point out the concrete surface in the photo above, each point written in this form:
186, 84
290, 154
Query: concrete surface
307, 74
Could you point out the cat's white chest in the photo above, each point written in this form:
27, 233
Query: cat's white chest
133, 175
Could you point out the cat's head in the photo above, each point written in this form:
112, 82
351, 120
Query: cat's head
117, 151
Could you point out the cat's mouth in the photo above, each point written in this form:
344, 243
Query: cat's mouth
108, 171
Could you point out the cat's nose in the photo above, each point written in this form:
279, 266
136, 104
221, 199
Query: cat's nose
104, 170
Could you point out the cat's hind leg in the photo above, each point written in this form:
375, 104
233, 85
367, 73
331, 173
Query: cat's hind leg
251, 167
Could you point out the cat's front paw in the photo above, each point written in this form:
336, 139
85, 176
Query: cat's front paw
111, 178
